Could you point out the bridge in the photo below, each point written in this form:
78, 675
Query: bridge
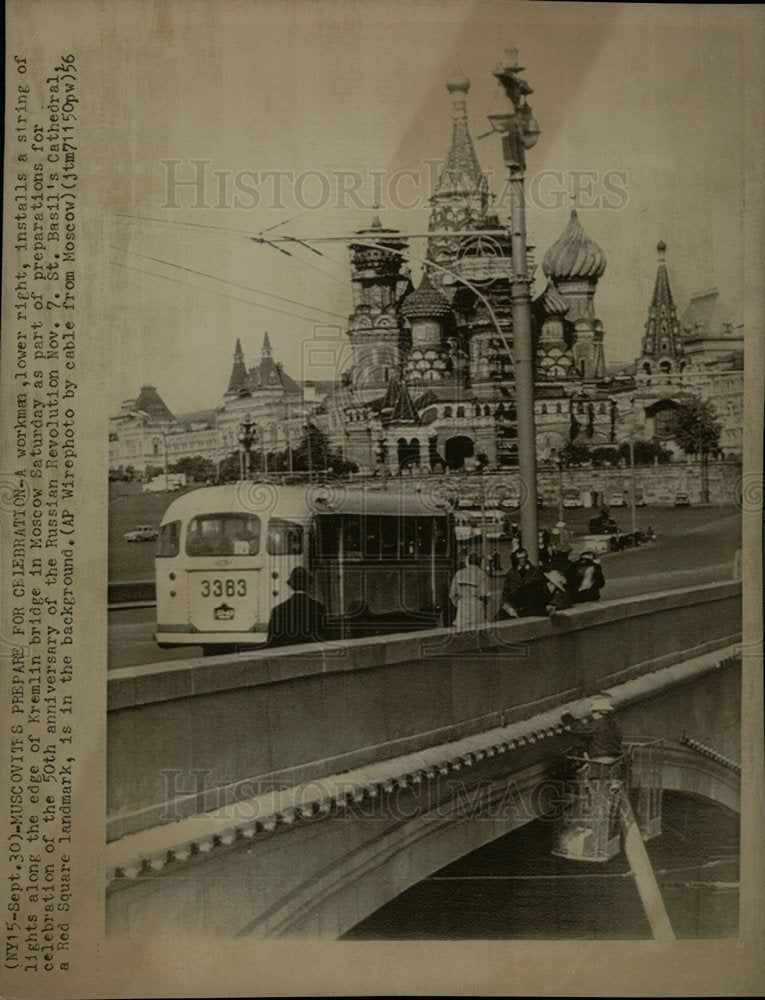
293, 792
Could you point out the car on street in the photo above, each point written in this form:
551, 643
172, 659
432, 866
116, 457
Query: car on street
682, 500
143, 533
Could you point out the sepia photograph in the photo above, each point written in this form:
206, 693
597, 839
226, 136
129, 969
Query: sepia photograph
382, 479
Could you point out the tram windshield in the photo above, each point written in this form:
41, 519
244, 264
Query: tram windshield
223, 535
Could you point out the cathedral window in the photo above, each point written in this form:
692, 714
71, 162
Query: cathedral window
447, 411
544, 409
460, 412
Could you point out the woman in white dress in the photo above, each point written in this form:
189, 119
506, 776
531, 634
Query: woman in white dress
468, 593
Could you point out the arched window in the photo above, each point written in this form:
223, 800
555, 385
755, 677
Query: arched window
460, 412
447, 411
544, 409
487, 410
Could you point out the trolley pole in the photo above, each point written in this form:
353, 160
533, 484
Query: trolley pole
512, 119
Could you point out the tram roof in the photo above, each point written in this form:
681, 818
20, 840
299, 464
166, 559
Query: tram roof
267, 499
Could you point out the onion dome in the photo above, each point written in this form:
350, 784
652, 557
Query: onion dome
553, 302
574, 254
458, 84
426, 302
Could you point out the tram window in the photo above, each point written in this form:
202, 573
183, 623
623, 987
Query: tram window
168, 543
424, 535
223, 535
408, 537
372, 537
352, 535
441, 541
285, 538
389, 536
327, 533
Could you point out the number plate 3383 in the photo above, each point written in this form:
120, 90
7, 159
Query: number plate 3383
229, 587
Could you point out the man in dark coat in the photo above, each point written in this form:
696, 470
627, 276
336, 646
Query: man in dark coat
541, 596
300, 618
586, 579
520, 572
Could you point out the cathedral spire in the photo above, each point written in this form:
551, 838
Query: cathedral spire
662, 339
238, 371
461, 198
266, 351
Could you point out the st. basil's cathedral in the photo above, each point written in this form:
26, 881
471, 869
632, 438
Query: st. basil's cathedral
430, 386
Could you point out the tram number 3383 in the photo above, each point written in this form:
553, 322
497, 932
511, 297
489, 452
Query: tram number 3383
221, 588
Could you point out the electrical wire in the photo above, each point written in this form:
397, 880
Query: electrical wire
226, 281
212, 291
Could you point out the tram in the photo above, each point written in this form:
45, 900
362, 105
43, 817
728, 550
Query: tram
379, 562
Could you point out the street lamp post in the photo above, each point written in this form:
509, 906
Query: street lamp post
511, 117
246, 437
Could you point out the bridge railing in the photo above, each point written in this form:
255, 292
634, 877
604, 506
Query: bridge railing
188, 736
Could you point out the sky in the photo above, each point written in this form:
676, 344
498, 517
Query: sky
640, 108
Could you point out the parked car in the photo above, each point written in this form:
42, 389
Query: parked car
682, 500
143, 533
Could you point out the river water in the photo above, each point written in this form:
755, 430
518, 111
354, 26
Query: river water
514, 888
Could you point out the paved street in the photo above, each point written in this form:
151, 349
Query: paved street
695, 545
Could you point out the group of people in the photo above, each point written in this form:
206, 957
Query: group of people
528, 590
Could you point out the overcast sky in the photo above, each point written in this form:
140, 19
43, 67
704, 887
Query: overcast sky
648, 99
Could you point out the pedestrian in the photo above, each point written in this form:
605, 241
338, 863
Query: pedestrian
546, 550
496, 563
469, 593
521, 571
541, 596
300, 618
587, 579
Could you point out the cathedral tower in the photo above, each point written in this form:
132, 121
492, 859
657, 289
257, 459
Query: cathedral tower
662, 347
574, 264
379, 281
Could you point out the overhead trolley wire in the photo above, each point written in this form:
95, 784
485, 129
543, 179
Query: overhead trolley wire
227, 281
213, 291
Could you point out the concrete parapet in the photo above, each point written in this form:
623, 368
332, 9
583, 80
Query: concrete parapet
184, 736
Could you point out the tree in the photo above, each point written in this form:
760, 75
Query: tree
697, 432
646, 453
196, 467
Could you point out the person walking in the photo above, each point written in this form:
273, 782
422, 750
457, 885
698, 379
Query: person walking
300, 618
469, 592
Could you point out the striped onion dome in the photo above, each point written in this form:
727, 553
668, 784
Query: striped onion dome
553, 301
574, 254
426, 302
